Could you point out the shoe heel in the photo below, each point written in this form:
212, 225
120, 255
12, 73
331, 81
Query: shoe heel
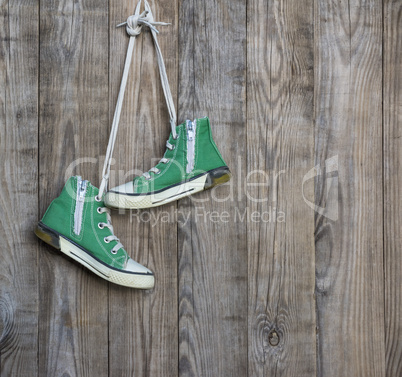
217, 177
47, 235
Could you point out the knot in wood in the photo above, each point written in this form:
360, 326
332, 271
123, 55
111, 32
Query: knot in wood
273, 338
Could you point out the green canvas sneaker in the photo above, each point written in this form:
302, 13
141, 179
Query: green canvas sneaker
78, 224
191, 163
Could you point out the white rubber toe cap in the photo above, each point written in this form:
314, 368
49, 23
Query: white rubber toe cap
126, 188
133, 266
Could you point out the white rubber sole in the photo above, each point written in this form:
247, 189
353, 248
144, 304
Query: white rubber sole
204, 182
127, 279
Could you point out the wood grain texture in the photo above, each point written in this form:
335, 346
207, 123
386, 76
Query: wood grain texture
392, 118
143, 324
73, 326
349, 249
212, 258
19, 35
280, 146
290, 269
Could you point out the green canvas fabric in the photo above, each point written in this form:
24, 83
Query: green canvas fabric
207, 157
60, 217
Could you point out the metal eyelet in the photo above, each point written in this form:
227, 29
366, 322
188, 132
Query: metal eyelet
97, 198
173, 147
158, 172
167, 161
105, 240
99, 210
100, 226
113, 252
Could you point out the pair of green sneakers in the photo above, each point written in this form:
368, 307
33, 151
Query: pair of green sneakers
78, 222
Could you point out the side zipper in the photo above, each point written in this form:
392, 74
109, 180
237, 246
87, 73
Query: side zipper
79, 204
191, 130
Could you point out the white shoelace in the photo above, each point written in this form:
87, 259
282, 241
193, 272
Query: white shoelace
134, 26
109, 225
162, 160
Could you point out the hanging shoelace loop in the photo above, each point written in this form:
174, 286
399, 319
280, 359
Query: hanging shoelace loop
134, 25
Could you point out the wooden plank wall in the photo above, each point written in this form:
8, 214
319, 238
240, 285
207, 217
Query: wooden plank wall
143, 336
392, 173
348, 128
73, 124
19, 278
213, 322
280, 150
305, 103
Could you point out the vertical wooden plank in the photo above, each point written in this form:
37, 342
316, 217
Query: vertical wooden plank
392, 118
143, 324
73, 124
349, 250
19, 35
280, 151
212, 246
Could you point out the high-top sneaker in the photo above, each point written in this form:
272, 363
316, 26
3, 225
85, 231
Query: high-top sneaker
191, 163
78, 224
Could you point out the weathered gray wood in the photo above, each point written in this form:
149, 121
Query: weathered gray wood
231, 299
73, 326
280, 151
349, 249
212, 254
143, 324
19, 36
392, 118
